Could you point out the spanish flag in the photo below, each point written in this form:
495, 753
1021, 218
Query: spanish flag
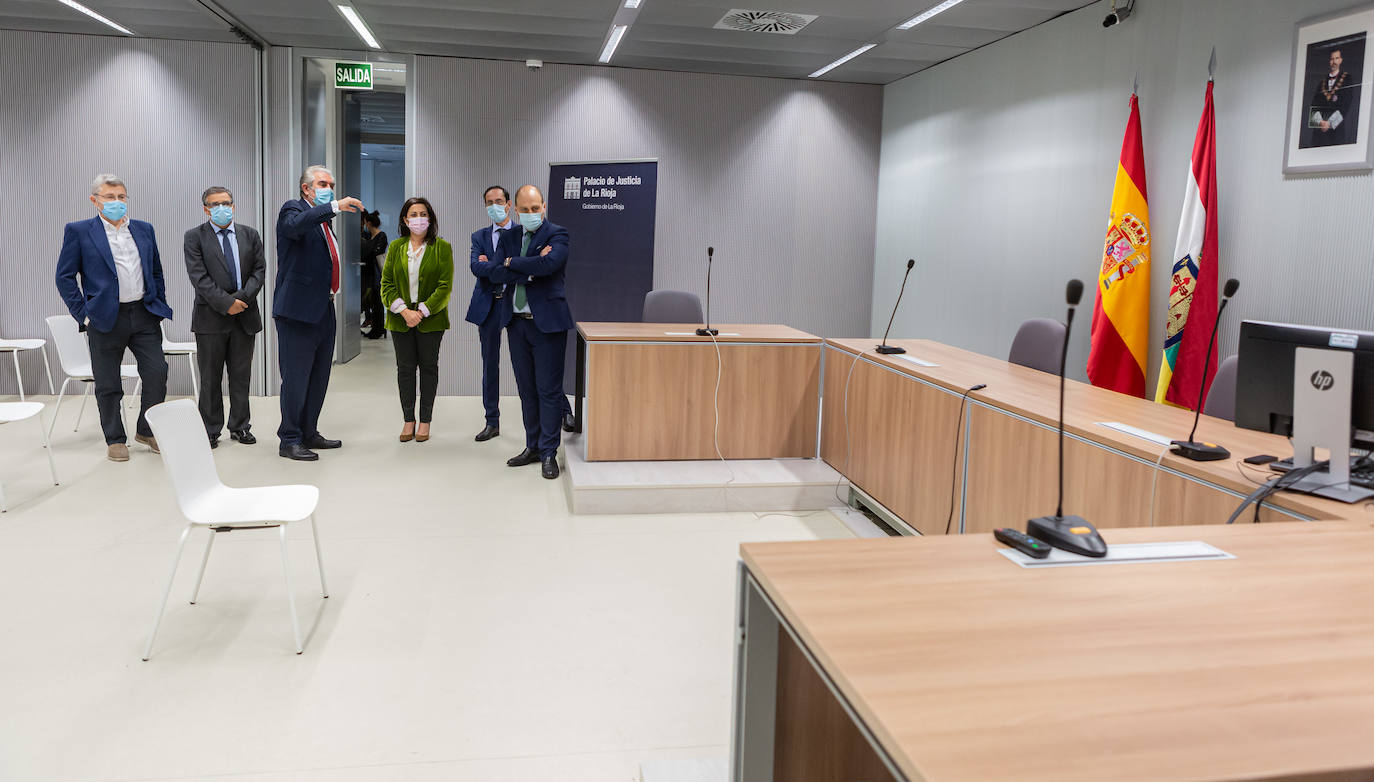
1193, 282
1121, 314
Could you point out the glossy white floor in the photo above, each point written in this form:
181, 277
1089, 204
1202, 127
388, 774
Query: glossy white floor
476, 629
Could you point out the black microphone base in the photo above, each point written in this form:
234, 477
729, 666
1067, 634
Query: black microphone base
708, 332
888, 350
1070, 533
1200, 452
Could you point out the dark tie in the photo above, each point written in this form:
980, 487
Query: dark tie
229, 256
519, 300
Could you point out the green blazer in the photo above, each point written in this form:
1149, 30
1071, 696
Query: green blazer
436, 280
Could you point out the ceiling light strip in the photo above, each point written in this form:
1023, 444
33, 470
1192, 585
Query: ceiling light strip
941, 8
617, 32
632, 3
832, 66
83, 9
359, 26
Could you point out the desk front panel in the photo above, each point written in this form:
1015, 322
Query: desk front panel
657, 401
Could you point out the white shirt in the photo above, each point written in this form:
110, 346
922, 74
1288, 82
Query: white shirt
415, 256
128, 264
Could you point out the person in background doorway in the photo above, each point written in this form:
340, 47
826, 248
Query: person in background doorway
373, 251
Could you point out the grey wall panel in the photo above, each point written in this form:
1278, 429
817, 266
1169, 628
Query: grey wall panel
170, 117
997, 172
778, 175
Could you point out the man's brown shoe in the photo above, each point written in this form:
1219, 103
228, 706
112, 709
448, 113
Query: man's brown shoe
117, 452
149, 441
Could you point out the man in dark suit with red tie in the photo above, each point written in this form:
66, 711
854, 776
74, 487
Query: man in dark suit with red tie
303, 309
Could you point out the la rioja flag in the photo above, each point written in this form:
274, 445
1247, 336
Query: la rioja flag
1193, 286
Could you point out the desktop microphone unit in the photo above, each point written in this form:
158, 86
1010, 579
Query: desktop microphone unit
885, 348
1070, 533
708, 331
1190, 448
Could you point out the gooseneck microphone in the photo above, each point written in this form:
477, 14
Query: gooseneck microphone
1070, 533
708, 331
885, 348
1190, 448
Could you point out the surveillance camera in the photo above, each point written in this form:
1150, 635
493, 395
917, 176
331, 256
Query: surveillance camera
1118, 15
534, 65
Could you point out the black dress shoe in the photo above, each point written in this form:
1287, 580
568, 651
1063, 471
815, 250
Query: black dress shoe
487, 433
550, 468
246, 437
569, 423
319, 442
298, 452
214, 442
523, 458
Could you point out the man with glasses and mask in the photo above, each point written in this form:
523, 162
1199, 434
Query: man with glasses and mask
303, 309
110, 277
226, 266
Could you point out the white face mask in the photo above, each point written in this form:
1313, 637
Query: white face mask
417, 225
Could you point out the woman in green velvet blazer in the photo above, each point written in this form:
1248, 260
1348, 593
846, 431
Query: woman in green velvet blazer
416, 281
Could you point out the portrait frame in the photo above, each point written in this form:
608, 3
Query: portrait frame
1321, 135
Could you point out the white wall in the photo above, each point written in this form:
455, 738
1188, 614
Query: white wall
997, 168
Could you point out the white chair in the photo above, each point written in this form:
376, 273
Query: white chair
74, 356
206, 502
187, 349
13, 346
18, 411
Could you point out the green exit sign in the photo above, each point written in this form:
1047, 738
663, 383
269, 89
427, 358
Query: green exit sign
353, 75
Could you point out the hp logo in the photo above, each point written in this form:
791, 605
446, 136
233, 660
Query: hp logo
1323, 380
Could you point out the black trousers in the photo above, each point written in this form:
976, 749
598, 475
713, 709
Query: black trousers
137, 330
417, 349
214, 352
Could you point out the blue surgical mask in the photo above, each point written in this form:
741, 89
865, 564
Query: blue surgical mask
497, 213
531, 221
114, 211
222, 215
323, 195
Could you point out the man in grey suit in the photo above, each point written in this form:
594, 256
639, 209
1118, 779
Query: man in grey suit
225, 262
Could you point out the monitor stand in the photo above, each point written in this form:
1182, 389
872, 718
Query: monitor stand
1323, 385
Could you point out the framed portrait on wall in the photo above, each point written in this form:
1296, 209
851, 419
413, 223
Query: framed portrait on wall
1329, 93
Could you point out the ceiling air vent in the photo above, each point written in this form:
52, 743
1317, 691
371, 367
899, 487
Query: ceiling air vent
777, 22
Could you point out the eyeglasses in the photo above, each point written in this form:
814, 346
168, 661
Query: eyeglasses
108, 197
214, 204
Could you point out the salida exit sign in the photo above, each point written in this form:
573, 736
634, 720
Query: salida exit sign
353, 75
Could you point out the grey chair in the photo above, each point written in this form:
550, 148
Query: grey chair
1039, 344
672, 307
1221, 397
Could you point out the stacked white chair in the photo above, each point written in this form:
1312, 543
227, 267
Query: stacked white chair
74, 356
207, 503
187, 349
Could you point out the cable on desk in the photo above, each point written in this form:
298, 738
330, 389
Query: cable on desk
954, 466
1154, 481
847, 449
1259, 495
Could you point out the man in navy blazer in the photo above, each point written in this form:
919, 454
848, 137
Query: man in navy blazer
110, 276
484, 310
537, 319
303, 308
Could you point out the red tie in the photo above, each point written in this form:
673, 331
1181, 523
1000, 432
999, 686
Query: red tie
334, 259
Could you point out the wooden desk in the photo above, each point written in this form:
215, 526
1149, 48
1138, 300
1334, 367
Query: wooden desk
906, 452
937, 659
651, 391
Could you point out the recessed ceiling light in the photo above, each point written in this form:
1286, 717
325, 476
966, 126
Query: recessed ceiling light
632, 3
941, 8
617, 32
83, 9
832, 66
359, 26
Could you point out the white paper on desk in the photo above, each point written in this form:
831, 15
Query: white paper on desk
1124, 554
920, 362
1144, 434
693, 334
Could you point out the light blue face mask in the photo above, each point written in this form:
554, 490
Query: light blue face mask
323, 195
114, 211
531, 221
222, 215
497, 213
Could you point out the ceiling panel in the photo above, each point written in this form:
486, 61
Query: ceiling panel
666, 34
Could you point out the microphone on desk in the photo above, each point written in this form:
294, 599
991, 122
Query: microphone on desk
708, 331
885, 348
1071, 533
1190, 448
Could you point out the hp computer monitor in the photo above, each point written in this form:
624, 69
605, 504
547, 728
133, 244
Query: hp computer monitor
1264, 376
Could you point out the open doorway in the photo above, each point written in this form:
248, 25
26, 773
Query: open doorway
382, 182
